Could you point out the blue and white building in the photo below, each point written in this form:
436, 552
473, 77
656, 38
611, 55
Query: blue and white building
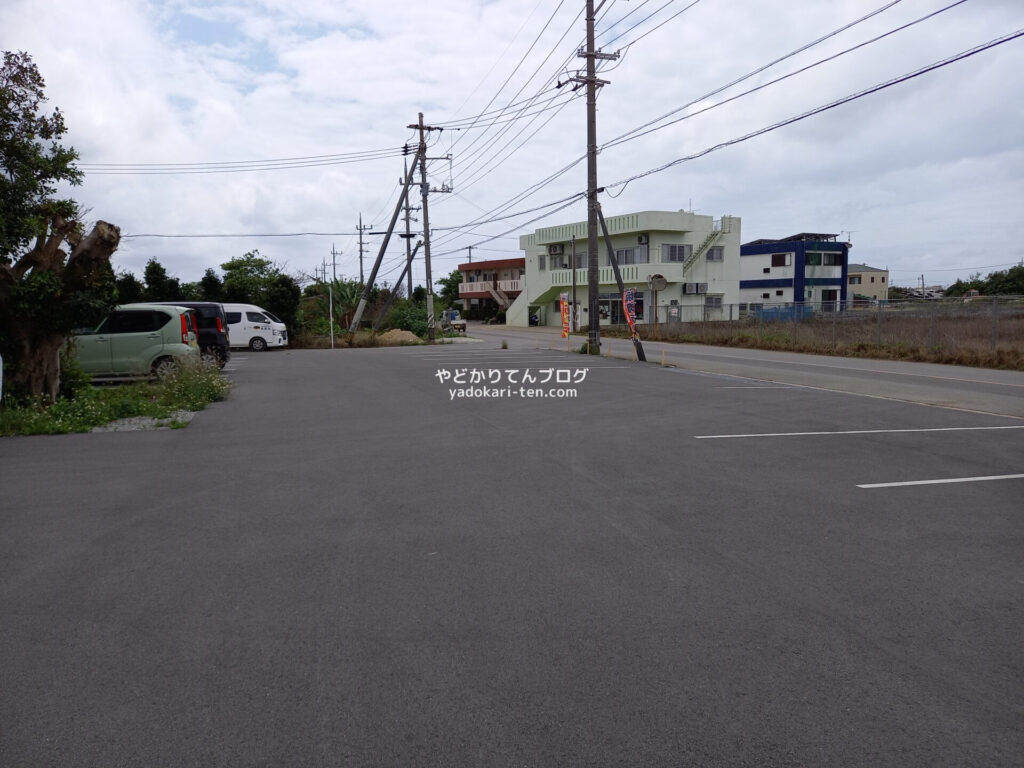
809, 268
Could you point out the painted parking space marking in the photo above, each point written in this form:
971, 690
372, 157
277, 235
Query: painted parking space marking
940, 482
859, 432
766, 386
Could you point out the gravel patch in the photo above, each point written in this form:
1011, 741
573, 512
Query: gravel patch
145, 423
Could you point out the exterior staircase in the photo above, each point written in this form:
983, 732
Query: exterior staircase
699, 250
499, 296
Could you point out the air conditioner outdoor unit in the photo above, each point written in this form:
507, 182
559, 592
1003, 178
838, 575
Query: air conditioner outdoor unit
641, 239
702, 287
556, 249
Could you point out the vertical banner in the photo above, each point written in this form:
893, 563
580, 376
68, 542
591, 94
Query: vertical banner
629, 305
563, 305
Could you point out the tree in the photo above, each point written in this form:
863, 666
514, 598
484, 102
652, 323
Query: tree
252, 279
129, 289
159, 285
211, 287
449, 292
53, 278
33, 160
246, 278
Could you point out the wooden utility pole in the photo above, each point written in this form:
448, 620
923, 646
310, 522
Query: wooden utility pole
591, 82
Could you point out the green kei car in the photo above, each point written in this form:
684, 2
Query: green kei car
138, 340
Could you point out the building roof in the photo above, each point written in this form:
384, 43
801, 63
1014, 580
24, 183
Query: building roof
812, 236
864, 268
493, 264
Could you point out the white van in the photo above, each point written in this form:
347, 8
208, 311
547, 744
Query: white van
253, 327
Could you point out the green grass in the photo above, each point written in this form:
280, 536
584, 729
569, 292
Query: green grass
191, 388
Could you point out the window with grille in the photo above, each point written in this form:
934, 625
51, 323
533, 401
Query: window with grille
671, 252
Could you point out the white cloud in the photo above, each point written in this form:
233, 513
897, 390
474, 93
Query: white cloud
926, 175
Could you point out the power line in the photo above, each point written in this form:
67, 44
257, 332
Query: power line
759, 70
831, 105
634, 135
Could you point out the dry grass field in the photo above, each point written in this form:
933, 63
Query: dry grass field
978, 334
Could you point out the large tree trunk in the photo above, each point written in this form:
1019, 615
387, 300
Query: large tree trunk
37, 371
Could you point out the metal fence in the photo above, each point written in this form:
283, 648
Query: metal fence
984, 323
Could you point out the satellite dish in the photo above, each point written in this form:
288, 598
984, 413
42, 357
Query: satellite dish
657, 282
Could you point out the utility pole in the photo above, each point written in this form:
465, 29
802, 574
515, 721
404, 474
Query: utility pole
330, 287
383, 247
591, 81
470, 249
575, 310
424, 192
362, 229
407, 237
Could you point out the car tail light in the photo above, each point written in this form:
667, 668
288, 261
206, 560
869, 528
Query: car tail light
220, 325
184, 329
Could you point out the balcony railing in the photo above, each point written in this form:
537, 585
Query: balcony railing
484, 286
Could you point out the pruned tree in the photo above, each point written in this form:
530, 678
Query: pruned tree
52, 278
64, 281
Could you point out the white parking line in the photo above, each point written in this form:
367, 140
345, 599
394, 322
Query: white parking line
939, 482
760, 387
858, 432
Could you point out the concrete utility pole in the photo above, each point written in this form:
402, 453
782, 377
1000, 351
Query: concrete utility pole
424, 192
362, 229
330, 288
470, 249
591, 81
408, 238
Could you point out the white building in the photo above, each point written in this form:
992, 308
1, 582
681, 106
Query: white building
696, 258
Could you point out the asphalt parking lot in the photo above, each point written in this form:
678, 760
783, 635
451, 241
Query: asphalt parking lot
362, 559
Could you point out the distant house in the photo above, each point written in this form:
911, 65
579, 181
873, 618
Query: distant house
866, 282
807, 268
494, 284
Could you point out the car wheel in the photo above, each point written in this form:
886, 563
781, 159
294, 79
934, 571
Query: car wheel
164, 366
209, 357
257, 344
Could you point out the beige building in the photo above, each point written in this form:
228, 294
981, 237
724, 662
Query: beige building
864, 282
684, 266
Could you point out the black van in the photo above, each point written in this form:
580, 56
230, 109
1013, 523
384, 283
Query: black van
214, 341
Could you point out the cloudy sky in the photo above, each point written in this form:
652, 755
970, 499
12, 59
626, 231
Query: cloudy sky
925, 177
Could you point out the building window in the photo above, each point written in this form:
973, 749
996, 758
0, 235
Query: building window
883, 278
818, 259
766, 295
778, 293
781, 259
713, 302
767, 270
717, 253
872, 278
542, 262
675, 252
854, 279
632, 255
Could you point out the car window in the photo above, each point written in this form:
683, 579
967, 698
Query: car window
136, 321
234, 317
207, 317
272, 317
256, 317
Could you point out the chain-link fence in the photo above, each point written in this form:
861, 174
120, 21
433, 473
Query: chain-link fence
986, 330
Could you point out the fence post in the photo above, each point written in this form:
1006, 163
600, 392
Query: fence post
835, 311
878, 326
931, 324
